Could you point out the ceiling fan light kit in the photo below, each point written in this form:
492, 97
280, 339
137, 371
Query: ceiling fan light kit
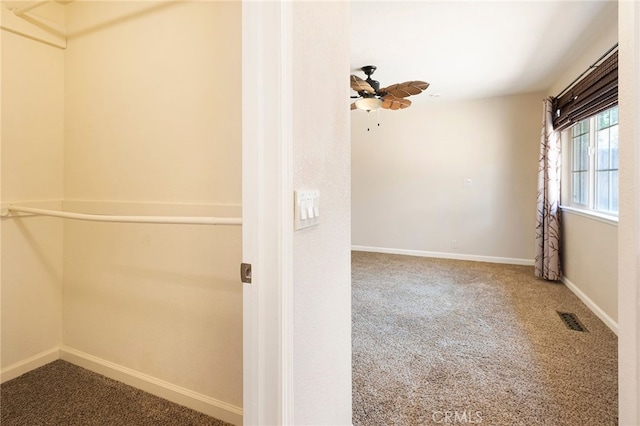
368, 104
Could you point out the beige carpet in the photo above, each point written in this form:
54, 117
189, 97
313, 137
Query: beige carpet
62, 394
451, 342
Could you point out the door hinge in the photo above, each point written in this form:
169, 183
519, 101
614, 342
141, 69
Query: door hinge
245, 273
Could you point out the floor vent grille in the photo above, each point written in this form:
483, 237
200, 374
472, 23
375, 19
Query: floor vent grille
571, 321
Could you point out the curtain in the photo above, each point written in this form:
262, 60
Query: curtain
547, 260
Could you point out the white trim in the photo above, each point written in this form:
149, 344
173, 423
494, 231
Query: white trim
253, 356
590, 214
444, 255
36, 361
629, 210
196, 401
591, 170
267, 235
591, 305
286, 211
118, 205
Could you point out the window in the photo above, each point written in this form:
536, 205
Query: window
594, 163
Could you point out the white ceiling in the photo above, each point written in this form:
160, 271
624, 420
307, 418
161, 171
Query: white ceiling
473, 49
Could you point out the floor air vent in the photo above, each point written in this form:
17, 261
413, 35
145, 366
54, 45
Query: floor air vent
571, 321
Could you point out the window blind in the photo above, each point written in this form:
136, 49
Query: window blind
594, 93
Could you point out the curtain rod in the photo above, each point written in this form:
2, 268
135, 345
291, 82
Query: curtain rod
592, 66
179, 220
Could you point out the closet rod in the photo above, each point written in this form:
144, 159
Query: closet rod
179, 220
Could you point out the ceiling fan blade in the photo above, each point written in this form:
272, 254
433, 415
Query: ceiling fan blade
390, 105
393, 103
359, 85
408, 88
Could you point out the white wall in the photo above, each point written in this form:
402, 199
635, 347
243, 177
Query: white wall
590, 263
31, 153
321, 254
408, 176
153, 126
589, 245
153, 102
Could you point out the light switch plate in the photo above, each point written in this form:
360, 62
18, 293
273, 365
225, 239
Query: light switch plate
306, 208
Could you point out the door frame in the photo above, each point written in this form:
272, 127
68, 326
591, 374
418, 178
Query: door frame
267, 217
267, 212
629, 214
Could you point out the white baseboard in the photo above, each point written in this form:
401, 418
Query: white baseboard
591, 305
196, 401
443, 255
38, 360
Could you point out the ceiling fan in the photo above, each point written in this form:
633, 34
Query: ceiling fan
371, 96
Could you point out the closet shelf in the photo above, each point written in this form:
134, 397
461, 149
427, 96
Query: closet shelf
177, 220
19, 11
33, 26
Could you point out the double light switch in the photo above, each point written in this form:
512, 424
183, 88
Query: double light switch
306, 208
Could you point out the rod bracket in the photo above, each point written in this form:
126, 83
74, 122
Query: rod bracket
245, 273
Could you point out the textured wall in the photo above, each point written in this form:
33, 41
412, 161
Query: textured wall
321, 254
32, 150
592, 266
152, 102
408, 177
153, 126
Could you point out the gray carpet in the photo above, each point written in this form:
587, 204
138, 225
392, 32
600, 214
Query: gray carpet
61, 393
440, 341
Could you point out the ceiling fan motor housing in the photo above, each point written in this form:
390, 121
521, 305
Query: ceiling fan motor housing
368, 70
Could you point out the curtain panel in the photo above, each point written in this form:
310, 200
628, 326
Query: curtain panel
547, 256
